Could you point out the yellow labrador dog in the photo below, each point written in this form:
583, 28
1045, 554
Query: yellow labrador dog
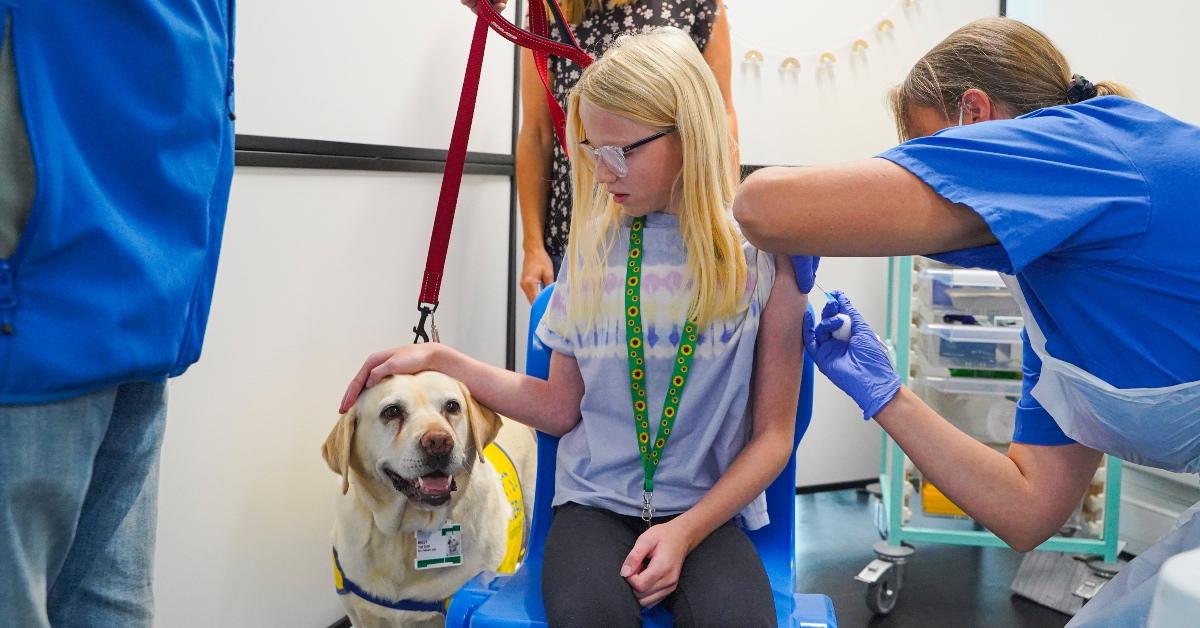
424, 507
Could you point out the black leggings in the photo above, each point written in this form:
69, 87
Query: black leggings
722, 582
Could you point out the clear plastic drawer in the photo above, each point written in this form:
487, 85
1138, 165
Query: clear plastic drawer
983, 408
965, 291
971, 346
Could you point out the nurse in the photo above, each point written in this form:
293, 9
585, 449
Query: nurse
1089, 200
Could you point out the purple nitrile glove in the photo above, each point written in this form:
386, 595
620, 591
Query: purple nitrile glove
859, 366
806, 271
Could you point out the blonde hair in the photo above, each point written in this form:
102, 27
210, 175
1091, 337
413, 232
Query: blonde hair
574, 10
1016, 65
659, 79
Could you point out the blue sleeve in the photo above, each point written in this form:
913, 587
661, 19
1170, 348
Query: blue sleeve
1034, 426
1051, 185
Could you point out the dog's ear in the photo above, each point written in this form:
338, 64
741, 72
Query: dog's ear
484, 423
336, 450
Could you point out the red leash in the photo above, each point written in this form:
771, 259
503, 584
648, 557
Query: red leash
542, 46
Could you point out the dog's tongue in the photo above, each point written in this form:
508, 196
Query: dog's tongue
435, 484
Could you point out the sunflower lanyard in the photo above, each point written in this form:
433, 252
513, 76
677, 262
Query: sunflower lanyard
651, 453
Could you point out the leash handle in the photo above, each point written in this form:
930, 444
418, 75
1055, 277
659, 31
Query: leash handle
541, 61
542, 46
538, 40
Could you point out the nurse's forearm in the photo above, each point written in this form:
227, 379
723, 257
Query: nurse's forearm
1023, 498
870, 207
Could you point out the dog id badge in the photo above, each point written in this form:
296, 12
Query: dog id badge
440, 549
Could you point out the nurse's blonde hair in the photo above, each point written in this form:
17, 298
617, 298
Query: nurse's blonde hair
1016, 65
659, 79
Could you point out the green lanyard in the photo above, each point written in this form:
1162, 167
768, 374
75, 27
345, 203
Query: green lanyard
651, 452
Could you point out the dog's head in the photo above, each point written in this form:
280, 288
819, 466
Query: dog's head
413, 434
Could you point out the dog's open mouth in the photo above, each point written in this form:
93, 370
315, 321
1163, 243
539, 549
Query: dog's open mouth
432, 488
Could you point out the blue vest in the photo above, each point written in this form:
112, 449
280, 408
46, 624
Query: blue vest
128, 107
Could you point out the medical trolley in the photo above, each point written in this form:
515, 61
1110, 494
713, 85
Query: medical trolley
954, 336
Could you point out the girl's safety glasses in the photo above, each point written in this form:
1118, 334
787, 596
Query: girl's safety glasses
613, 157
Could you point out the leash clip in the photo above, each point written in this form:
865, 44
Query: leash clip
647, 507
426, 310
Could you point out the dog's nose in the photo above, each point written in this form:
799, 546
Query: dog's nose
437, 443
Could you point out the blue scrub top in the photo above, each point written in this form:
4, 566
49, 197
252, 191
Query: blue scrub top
1095, 209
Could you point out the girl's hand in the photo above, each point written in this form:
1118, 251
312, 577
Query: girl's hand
653, 565
403, 360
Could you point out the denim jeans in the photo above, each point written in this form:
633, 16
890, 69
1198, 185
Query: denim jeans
78, 494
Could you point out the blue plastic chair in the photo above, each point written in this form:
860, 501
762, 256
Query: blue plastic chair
508, 601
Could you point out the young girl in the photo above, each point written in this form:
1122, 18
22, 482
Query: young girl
543, 170
660, 315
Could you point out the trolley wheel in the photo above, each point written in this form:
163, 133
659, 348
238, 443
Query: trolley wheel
882, 594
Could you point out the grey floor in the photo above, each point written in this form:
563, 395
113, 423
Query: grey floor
945, 585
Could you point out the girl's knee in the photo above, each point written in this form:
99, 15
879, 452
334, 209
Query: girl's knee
734, 610
586, 610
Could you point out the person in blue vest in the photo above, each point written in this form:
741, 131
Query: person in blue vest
1087, 198
116, 154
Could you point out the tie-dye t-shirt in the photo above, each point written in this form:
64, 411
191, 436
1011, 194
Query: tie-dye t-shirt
598, 462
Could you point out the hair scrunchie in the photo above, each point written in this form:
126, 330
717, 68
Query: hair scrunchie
1081, 89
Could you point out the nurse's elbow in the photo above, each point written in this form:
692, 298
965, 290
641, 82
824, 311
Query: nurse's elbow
1026, 538
1022, 545
750, 208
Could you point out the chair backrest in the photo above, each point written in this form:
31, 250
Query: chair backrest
776, 542
537, 364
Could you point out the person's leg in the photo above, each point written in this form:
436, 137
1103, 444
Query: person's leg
723, 583
581, 575
105, 580
46, 456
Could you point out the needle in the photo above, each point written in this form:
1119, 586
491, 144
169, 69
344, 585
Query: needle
825, 292
841, 333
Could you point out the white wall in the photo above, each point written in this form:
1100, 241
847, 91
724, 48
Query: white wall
1148, 46
319, 268
368, 71
816, 116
